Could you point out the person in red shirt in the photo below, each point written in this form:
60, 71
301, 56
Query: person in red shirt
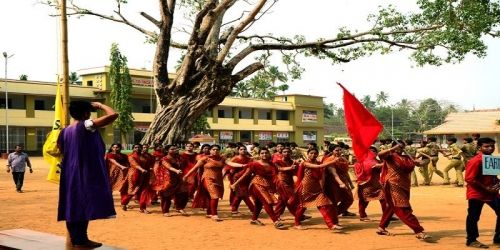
481, 189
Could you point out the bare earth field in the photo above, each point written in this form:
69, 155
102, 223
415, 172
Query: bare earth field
440, 209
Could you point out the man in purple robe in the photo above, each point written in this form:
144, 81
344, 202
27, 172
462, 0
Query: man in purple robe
84, 191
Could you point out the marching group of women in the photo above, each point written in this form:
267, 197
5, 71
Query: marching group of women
273, 182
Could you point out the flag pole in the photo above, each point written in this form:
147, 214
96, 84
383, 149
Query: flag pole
65, 63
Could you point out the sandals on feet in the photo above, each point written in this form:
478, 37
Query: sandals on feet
384, 232
423, 236
337, 228
256, 222
300, 227
279, 225
477, 244
365, 219
144, 211
182, 212
167, 215
216, 218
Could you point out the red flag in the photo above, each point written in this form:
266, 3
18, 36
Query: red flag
362, 126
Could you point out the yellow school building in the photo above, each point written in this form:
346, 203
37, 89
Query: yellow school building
29, 117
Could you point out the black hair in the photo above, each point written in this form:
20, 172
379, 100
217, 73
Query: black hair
331, 147
313, 149
432, 139
265, 149
79, 109
205, 145
394, 143
468, 139
313, 144
117, 144
137, 144
452, 139
408, 142
189, 143
215, 146
484, 140
167, 148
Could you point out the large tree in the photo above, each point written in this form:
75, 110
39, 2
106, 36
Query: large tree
217, 58
121, 90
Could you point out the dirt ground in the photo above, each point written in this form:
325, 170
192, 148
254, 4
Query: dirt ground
440, 209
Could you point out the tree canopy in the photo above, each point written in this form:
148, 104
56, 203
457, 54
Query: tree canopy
220, 51
121, 90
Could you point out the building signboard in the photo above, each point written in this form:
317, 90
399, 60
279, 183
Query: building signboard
491, 165
309, 116
265, 136
282, 135
226, 135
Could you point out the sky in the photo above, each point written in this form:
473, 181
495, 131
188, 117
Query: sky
30, 34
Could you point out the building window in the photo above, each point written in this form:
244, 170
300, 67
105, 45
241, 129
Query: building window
17, 135
2, 103
146, 109
245, 113
225, 112
90, 83
284, 98
246, 136
282, 115
41, 136
265, 114
39, 105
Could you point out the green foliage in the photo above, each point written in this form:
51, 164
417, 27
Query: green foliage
201, 124
73, 78
23, 77
263, 85
121, 89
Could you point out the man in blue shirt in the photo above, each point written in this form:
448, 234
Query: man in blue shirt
16, 163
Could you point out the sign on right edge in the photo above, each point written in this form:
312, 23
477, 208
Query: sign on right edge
491, 165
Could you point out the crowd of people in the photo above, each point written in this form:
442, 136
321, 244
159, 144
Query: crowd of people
280, 176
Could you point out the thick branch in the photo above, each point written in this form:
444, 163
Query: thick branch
248, 70
238, 29
151, 19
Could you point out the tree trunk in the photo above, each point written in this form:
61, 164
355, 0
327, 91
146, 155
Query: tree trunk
124, 140
172, 122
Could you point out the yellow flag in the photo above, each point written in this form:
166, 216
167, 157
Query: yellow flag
51, 152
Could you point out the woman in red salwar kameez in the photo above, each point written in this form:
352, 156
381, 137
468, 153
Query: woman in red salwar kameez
118, 168
262, 187
340, 196
311, 193
147, 194
396, 180
158, 153
137, 176
212, 186
284, 182
240, 192
189, 158
172, 186
369, 186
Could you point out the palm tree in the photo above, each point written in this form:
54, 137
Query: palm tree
241, 89
382, 98
367, 101
405, 104
73, 78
